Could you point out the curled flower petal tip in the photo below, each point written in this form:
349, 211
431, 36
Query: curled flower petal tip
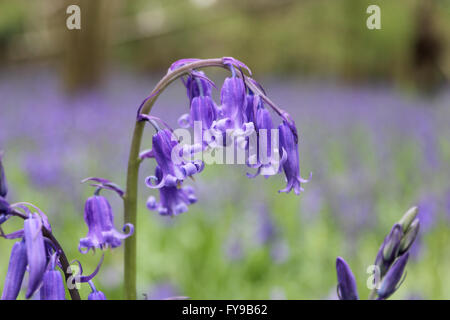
172, 200
173, 168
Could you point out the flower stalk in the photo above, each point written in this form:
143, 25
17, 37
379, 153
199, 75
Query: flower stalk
130, 197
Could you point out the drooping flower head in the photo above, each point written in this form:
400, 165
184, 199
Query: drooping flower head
16, 271
232, 124
99, 218
289, 152
346, 281
173, 200
173, 171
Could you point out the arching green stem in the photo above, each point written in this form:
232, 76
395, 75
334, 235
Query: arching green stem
130, 197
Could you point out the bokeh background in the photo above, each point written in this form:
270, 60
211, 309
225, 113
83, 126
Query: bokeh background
372, 108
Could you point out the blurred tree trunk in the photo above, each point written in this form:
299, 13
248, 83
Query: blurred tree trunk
85, 50
427, 49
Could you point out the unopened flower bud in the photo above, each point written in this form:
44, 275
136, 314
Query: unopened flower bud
408, 218
390, 282
346, 281
392, 243
409, 236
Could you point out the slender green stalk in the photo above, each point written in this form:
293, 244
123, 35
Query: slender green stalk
130, 197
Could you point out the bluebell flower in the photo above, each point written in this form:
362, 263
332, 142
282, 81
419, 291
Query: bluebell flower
197, 84
289, 152
391, 281
173, 173
346, 281
95, 294
36, 252
267, 158
232, 117
52, 284
99, 218
173, 200
233, 100
204, 110
16, 271
202, 106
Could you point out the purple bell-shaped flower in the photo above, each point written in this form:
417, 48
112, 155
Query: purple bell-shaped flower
173, 200
99, 218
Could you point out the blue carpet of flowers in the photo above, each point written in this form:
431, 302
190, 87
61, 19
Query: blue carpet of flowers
374, 151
